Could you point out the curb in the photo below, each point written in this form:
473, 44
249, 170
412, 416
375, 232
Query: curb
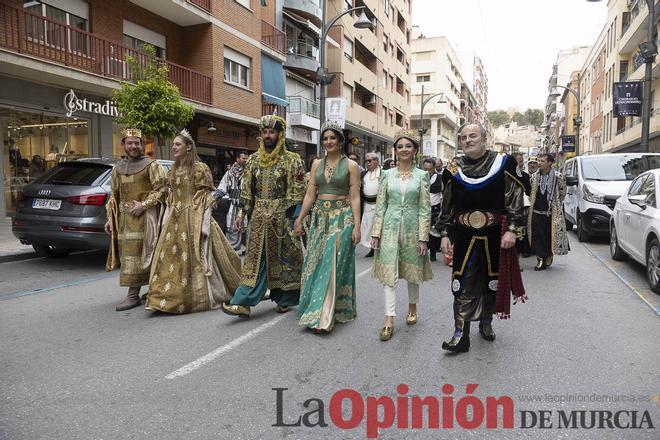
23, 254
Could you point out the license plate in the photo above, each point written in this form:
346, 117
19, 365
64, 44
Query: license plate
46, 204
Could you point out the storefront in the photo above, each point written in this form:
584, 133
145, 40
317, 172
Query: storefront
42, 125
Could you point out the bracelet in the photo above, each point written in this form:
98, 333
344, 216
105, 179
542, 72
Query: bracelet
513, 228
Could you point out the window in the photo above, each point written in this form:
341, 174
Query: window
136, 36
74, 14
348, 4
385, 79
423, 78
348, 48
636, 186
648, 190
385, 114
386, 43
245, 3
237, 68
387, 8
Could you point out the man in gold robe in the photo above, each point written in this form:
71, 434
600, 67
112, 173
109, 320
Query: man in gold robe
137, 192
273, 185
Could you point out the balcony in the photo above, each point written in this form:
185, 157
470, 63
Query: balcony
40, 37
308, 9
635, 31
181, 12
302, 57
303, 113
273, 37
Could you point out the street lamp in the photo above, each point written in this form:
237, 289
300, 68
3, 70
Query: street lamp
323, 78
648, 50
422, 129
554, 93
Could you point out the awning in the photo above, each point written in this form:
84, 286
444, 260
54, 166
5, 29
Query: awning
272, 81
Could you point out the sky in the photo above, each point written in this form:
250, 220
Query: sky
517, 40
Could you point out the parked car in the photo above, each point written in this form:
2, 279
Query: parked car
635, 226
594, 183
64, 209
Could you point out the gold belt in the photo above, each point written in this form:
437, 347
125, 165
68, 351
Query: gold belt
478, 219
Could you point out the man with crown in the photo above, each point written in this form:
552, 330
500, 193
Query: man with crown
137, 192
482, 211
273, 186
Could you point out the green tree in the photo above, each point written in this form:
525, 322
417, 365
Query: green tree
519, 118
152, 103
498, 117
534, 116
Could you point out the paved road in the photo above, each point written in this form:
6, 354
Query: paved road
72, 368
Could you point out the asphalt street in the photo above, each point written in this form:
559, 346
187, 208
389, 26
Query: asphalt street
73, 368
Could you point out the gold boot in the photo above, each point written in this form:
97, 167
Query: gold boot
236, 310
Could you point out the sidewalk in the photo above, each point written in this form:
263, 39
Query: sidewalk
10, 248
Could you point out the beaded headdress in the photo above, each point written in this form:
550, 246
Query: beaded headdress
411, 135
131, 132
334, 126
272, 121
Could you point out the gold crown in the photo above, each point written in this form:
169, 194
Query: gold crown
408, 134
272, 121
131, 132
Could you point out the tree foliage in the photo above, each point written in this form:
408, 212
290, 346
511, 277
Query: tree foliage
531, 116
152, 103
498, 117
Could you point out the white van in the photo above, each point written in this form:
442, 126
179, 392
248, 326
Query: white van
594, 183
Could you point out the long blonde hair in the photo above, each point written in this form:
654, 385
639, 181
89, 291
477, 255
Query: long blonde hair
191, 157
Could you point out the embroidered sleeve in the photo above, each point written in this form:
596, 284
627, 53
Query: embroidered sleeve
247, 187
561, 186
114, 193
424, 213
381, 207
295, 185
446, 218
514, 194
158, 186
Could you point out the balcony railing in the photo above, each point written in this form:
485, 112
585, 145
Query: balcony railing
41, 37
298, 104
273, 37
302, 48
273, 109
204, 4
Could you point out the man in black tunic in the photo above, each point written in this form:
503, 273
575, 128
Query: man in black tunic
482, 197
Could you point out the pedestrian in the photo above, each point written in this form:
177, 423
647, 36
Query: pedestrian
522, 244
439, 166
195, 268
368, 191
328, 273
37, 167
229, 195
137, 191
273, 186
546, 224
356, 158
388, 164
482, 210
435, 188
400, 233
532, 165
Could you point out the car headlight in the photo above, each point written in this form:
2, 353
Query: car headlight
593, 196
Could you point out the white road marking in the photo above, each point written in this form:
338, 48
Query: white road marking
210, 357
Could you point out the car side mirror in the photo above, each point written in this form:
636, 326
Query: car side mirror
571, 181
638, 200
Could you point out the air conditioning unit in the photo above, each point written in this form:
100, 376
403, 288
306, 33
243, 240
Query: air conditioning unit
117, 68
371, 100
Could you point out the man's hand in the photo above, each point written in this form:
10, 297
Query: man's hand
375, 243
508, 240
238, 223
108, 227
136, 209
446, 246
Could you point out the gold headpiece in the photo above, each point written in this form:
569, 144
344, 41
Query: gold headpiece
272, 121
412, 135
532, 159
185, 133
131, 132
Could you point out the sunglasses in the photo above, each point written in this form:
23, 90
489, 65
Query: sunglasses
368, 160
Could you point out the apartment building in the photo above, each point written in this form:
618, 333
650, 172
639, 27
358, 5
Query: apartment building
372, 71
60, 60
436, 68
476, 79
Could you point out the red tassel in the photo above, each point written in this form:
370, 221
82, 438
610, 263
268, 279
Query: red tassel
510, 280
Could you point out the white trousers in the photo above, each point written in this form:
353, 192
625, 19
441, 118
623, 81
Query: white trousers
390, 297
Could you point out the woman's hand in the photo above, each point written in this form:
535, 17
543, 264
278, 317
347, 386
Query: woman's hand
375, 243
422, 248
298, 228
355, 236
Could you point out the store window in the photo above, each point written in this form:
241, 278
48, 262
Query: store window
35, 142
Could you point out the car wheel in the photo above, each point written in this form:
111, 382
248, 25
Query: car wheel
615, 250
653, 265
582, 234
43, 250
569, 225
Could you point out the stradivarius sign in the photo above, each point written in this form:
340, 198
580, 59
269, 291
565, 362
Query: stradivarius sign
73, 104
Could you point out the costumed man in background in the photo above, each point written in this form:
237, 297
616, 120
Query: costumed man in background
523, 244
435, 189
229, 193
273, 186
137, 193
546, 225
532, 165
482, 210
368, 192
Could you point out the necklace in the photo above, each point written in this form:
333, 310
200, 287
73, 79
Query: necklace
404, 175
330, 170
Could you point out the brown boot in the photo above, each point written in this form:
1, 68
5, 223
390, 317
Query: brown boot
131, 300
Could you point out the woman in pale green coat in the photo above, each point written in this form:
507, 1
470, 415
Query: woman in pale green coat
400, 233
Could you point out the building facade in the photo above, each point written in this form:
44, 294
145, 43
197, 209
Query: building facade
60, 61
477, 81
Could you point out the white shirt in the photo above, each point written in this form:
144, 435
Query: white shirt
370, 183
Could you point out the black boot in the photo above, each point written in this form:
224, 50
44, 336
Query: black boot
433, 257
540, 264
370, 254
460, 341
486, 329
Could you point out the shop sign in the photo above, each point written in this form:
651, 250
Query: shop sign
627, 99
568, 143
73, 104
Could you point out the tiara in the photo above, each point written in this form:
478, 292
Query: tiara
185, 133
408, 134
332, 125
272, 121
131, 132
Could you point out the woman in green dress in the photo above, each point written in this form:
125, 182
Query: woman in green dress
194, 267
400, 233
328, 273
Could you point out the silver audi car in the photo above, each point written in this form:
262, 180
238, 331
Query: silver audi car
64, 209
